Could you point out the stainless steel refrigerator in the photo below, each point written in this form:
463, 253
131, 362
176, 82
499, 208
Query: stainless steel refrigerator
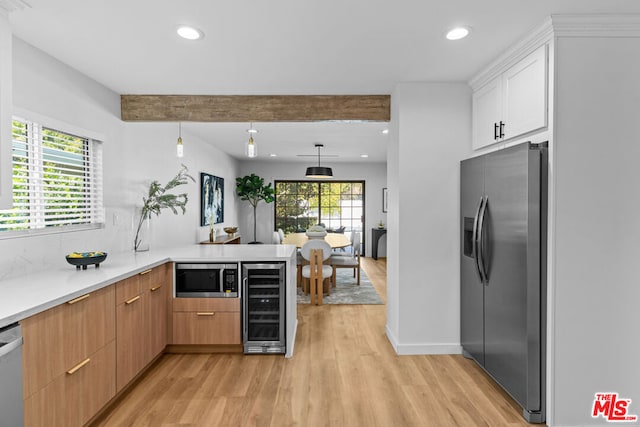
503, 203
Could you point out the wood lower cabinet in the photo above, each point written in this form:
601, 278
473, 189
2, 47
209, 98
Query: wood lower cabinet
77, 356
157, 286
130, 336
206, 321
141, 317
75, 397
69, 360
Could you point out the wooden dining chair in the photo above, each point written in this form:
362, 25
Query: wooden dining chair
316, 274
351, 260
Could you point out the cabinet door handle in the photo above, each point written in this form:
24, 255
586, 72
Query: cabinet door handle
495, 131
78, 366
206, 313
132, 300
501, 135
155, 288
146, 271
83, 297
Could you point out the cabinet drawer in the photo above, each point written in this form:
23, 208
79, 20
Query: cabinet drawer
77, 394
206, 304
127, 289
153, 278
133, 286
65, 334
206, 327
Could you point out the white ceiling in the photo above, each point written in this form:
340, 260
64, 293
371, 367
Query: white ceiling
284, 47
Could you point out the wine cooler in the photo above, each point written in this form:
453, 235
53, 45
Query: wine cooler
263, 296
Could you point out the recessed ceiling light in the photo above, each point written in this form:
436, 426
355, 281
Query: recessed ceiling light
385, 131
457, 33
189, 33
273, 155
364, 156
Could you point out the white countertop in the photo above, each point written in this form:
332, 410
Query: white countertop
30, 294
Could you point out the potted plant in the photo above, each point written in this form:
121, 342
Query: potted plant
252, 189
157, 199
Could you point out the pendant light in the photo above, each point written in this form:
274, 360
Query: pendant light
251, 149
179, 146
320, 172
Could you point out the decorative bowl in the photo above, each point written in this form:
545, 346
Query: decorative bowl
230, 230
316, 234
83, 259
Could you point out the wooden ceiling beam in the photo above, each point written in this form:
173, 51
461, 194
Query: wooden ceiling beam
254, 108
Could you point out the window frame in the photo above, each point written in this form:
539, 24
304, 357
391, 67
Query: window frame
94, 140
319, 184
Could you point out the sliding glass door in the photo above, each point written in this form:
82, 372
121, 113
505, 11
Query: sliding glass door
338, 205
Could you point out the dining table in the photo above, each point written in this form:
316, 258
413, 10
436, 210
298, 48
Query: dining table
335, 240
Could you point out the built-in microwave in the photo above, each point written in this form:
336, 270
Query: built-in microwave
206, 280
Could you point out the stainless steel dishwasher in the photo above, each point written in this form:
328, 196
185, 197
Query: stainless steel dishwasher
11, 409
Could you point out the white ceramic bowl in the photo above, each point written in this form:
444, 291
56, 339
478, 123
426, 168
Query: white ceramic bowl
316, 234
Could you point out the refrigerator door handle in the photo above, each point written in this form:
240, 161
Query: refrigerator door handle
474, 238
484, 277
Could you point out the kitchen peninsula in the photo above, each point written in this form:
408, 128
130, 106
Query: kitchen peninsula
33, 293
89, 334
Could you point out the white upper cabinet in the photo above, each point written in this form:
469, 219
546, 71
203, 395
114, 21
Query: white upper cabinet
487, 113
513, 103
525, 94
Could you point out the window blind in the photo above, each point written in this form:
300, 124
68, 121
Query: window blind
57, 180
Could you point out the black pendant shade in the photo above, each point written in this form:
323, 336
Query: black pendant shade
318, 171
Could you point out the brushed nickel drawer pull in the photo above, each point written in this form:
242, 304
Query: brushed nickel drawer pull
78, 366
146, 271
206, 313
83, 297
132, 300
155, 288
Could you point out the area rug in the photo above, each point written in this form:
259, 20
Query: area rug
347, 291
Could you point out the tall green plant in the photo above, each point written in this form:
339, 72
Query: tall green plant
252, 189
157, 199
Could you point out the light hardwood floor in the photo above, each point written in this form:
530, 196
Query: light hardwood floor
344, 373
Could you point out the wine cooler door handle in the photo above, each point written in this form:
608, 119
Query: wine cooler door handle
245, 310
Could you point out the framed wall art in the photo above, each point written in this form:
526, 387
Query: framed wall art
211, 199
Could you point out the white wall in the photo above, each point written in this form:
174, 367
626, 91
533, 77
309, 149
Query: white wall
374, 175
6, 194
430, 133
159, 162
596, 276
134, 155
